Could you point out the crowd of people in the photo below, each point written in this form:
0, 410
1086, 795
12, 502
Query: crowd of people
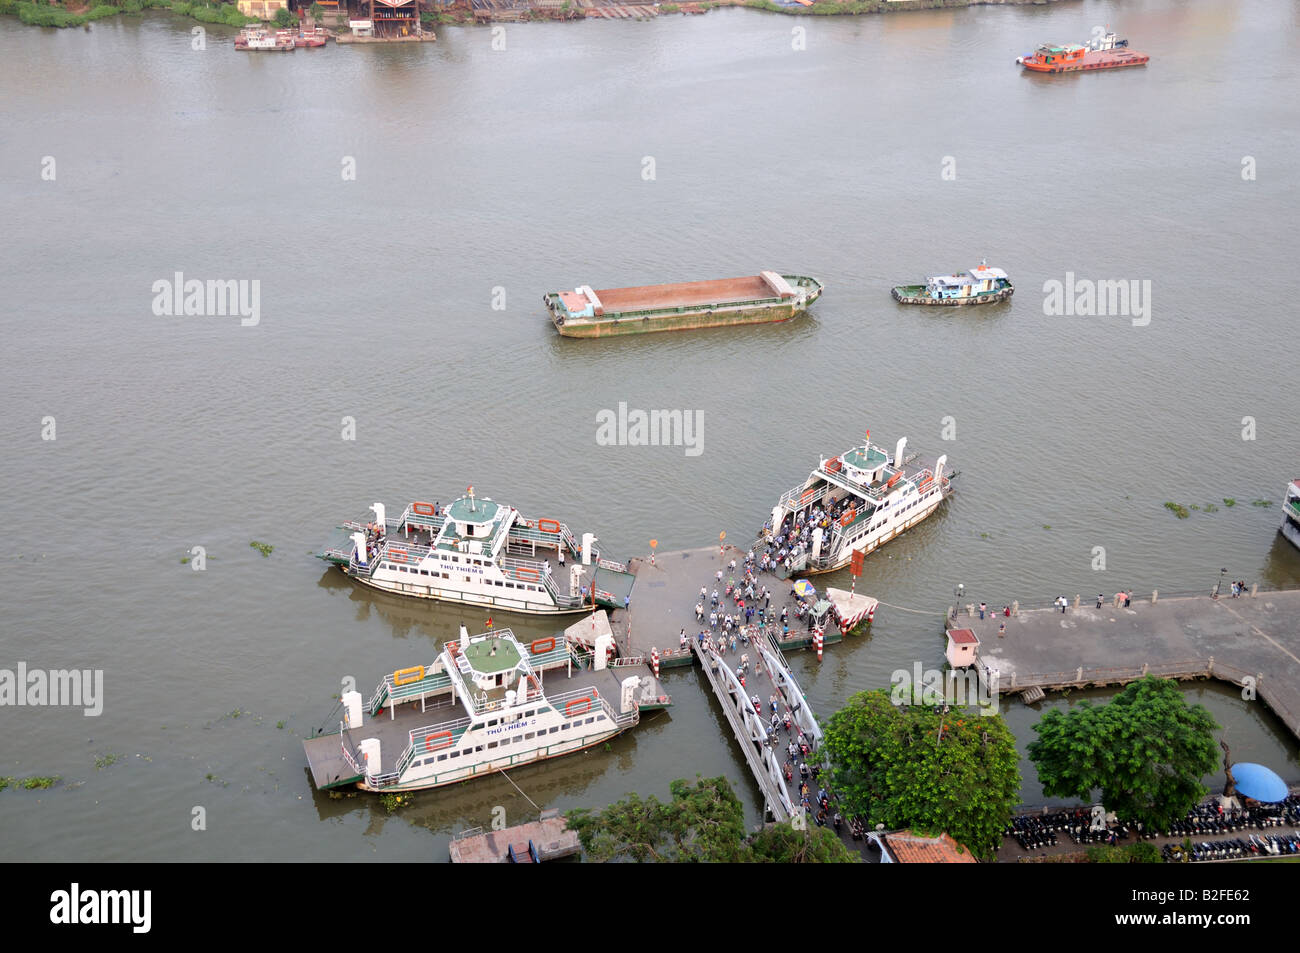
738, 610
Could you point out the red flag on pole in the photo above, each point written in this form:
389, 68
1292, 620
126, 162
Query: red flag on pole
855, 566
489, 622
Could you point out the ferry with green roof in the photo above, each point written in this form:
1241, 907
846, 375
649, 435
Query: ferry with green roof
477, 552
766, 297
857, 501
481, 706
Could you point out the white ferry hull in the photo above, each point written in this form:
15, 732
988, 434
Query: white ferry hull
1291, 532
488, 767
493, 603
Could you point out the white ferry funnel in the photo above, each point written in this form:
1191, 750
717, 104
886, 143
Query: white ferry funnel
352, 708
379, 515
778, 514
464, 634
628, 689
370, 757
816, 544
359, 541
938, 467
898, 451
588, 547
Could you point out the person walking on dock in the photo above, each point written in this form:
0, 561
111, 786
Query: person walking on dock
983, 609
699, 612
1100, 599
1062, 602
561, 555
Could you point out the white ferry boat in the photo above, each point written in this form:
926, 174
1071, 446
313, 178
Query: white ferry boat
857, 501
477, 552
480, 706
1291, 513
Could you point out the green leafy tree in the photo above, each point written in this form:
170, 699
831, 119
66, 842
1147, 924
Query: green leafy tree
316, 11
925, 769
783, 844
285, 19
1146, 751
704, 823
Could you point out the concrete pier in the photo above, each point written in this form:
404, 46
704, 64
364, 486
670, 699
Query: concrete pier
1250, 641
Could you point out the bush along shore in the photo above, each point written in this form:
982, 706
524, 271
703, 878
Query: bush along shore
40, 13
80, 12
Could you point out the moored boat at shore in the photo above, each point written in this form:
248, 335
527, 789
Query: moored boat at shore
1104, 52
259, 38
311, 37
479, 707
982, 285
1291, 514
754, 299
478, 552
857, 501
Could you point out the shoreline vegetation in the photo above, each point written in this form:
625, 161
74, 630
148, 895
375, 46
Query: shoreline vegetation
72, 13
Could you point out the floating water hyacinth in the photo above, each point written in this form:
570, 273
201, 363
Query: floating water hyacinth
1178, 510
263, 548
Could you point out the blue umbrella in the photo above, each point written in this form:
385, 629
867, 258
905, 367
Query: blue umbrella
1258, 782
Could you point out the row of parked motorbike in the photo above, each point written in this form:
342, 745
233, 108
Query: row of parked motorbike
1253, 845
1086, 826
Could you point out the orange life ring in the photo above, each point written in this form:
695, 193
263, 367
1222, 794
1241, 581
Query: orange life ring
398, 555
427, 511
585, 702
847, 518
523, 572
549, 644
399, 677
548, 526
429, 739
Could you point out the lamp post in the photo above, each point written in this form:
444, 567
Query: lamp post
957, 593
1219, 583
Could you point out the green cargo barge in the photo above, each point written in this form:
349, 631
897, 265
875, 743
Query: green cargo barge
756, 299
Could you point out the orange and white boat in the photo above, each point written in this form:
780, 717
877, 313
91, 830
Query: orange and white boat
1106, 52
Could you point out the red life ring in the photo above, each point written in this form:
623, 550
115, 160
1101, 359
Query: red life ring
548, 643
523, 572
585, 702
548, 526
429, 739
428, 509
398, 555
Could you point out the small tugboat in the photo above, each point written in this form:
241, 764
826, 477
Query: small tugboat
479, 707
857, 501
259, 38
982, 285
477, 552
1291, 514
755, 299
1107, 52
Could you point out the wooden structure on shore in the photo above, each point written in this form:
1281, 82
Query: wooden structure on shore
548, 838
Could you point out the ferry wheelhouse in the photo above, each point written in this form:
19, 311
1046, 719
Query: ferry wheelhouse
981, 285
478, 552
857, 501
1291, 513
480, 706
